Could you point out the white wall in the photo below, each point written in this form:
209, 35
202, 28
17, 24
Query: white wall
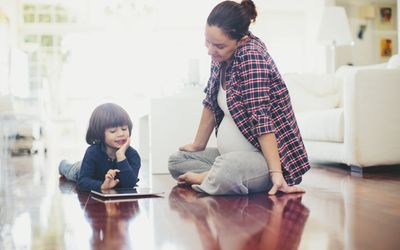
7, 38
289, 29
367, 50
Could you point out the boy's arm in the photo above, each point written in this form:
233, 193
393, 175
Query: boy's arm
129, 169
86, 182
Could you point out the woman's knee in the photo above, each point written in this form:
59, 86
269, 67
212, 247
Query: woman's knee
175, 158
174, 163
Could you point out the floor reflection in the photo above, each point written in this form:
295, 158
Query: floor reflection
246, 222
109, 221
40, 210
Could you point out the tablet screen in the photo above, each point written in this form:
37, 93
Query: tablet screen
128, 192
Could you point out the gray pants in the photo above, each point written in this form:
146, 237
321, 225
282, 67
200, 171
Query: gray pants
70, 170
230, 173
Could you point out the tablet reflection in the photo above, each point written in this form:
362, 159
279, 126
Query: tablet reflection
109, 222
256, 221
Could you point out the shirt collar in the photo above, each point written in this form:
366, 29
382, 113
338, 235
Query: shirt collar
104, 150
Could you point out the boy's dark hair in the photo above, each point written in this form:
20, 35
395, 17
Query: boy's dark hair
106, 116
233, 18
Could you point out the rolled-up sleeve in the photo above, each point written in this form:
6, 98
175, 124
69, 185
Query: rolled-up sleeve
255, 77
262, 122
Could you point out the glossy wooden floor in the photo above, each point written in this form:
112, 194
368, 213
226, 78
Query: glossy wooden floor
340, 210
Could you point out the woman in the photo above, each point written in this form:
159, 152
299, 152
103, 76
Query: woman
259, 144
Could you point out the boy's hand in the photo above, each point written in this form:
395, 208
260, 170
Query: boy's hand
110, 181
120, 154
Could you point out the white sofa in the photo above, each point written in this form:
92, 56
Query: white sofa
171, 123
351, 117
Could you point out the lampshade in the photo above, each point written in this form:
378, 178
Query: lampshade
366, 11
334, 27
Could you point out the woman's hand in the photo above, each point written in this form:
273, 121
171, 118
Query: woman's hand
192, 148
110, 181
120, 153
279, 184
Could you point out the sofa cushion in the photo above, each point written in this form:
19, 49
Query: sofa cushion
394, 62
312, 91
322, 125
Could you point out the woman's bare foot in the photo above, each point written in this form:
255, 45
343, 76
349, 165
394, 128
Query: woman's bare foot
192, 178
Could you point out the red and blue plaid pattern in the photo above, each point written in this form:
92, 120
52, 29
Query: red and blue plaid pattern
259, 103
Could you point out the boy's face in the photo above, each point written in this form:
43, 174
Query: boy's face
116, 137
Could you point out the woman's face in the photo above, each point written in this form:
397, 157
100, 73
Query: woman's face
220, 46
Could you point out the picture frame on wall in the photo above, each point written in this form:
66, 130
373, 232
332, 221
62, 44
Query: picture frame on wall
386, 47
386, 16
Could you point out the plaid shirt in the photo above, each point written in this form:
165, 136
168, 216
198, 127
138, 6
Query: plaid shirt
259, 103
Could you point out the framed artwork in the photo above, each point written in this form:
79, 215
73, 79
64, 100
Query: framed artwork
386, 47
386, 17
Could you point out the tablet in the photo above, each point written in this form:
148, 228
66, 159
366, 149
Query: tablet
116, 199
127, 192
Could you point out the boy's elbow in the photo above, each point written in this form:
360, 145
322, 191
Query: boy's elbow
83, 186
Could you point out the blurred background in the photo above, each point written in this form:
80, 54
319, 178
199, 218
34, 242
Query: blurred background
61, 58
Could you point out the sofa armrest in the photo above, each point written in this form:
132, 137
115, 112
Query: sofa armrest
371, 117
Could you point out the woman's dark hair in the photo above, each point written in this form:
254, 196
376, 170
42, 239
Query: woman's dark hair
106, 116
233, 18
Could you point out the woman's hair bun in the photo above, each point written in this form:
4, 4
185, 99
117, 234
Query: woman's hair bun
250, 8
